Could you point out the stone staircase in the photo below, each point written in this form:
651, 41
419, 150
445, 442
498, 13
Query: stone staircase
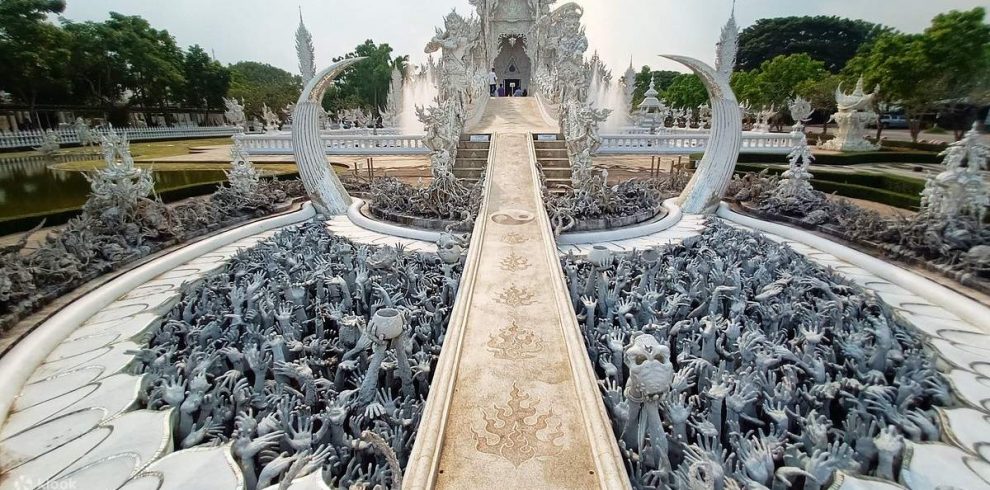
472, 159
552, 157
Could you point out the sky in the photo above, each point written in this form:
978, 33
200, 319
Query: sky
620, 30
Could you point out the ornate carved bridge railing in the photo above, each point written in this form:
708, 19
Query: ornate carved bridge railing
337, 144
694, 142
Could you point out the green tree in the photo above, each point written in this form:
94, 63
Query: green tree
746, 86
33, 51
365, 84
779, 77
820, 92
97, 74
686, 92
154, 61
259, 83
950, 61
207, 81
833, 40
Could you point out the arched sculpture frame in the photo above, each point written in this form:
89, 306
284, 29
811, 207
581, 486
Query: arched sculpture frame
324, 188
704, 192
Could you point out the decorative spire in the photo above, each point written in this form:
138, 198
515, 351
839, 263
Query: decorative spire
305, 52
728, 47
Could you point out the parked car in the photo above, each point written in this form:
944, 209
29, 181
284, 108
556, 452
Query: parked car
893, 121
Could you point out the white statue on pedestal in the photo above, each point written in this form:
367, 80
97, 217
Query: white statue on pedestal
855, 112
235, 112
271, 120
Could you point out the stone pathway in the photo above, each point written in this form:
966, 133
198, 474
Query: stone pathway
522, 409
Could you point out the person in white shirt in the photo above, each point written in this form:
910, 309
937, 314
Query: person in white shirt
492, 82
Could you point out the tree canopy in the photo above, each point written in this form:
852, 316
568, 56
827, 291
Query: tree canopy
831, 40
686, 91
122, 60
259, 84
948, 63
365, 84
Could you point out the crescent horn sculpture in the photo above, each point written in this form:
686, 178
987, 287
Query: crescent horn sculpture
704, 192
324, 188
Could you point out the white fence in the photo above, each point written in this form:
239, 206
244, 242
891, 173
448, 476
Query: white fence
66, 136
682, 144
337, 144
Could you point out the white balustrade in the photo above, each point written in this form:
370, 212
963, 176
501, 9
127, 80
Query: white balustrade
67, 136
335, 143
682, 142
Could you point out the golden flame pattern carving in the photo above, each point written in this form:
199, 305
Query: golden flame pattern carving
515, 297
514, 343
515, 263
518, 431
514, 238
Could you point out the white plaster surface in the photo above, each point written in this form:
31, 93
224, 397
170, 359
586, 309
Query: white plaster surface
72, 418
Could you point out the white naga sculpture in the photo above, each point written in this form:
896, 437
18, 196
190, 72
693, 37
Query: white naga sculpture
763, 119
324, 188
50, 143
305, 52
855, 112
704, 192
235, 112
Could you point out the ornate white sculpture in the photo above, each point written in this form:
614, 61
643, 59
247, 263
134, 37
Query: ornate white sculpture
801, 111
271, 119
763, 119
86, 135
235, 112
855, 112
324, 188
243, 176
454, 43
390, 117
704, 192
580, 127
305, 52
960, 189
49, 143
629, 84
652, 111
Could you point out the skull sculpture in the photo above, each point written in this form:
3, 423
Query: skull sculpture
650, 370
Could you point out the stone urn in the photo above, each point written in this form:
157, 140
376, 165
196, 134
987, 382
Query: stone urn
600, 255
386, 324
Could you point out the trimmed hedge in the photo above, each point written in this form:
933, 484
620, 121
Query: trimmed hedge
893, 190
849, 158
929, 147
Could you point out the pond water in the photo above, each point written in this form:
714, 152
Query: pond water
29, 187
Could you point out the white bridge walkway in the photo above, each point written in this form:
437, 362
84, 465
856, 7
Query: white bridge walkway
514, 403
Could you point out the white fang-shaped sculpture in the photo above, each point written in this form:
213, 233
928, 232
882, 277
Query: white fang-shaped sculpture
324, 188
704, 191
305, 52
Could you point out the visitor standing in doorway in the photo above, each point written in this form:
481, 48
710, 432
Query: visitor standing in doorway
492, 80
519, 92
501, 90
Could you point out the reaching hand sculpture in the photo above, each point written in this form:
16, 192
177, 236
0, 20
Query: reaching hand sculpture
324, 188
299, 354
730, 339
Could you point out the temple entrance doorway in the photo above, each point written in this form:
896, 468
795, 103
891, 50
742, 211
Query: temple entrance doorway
512, 65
